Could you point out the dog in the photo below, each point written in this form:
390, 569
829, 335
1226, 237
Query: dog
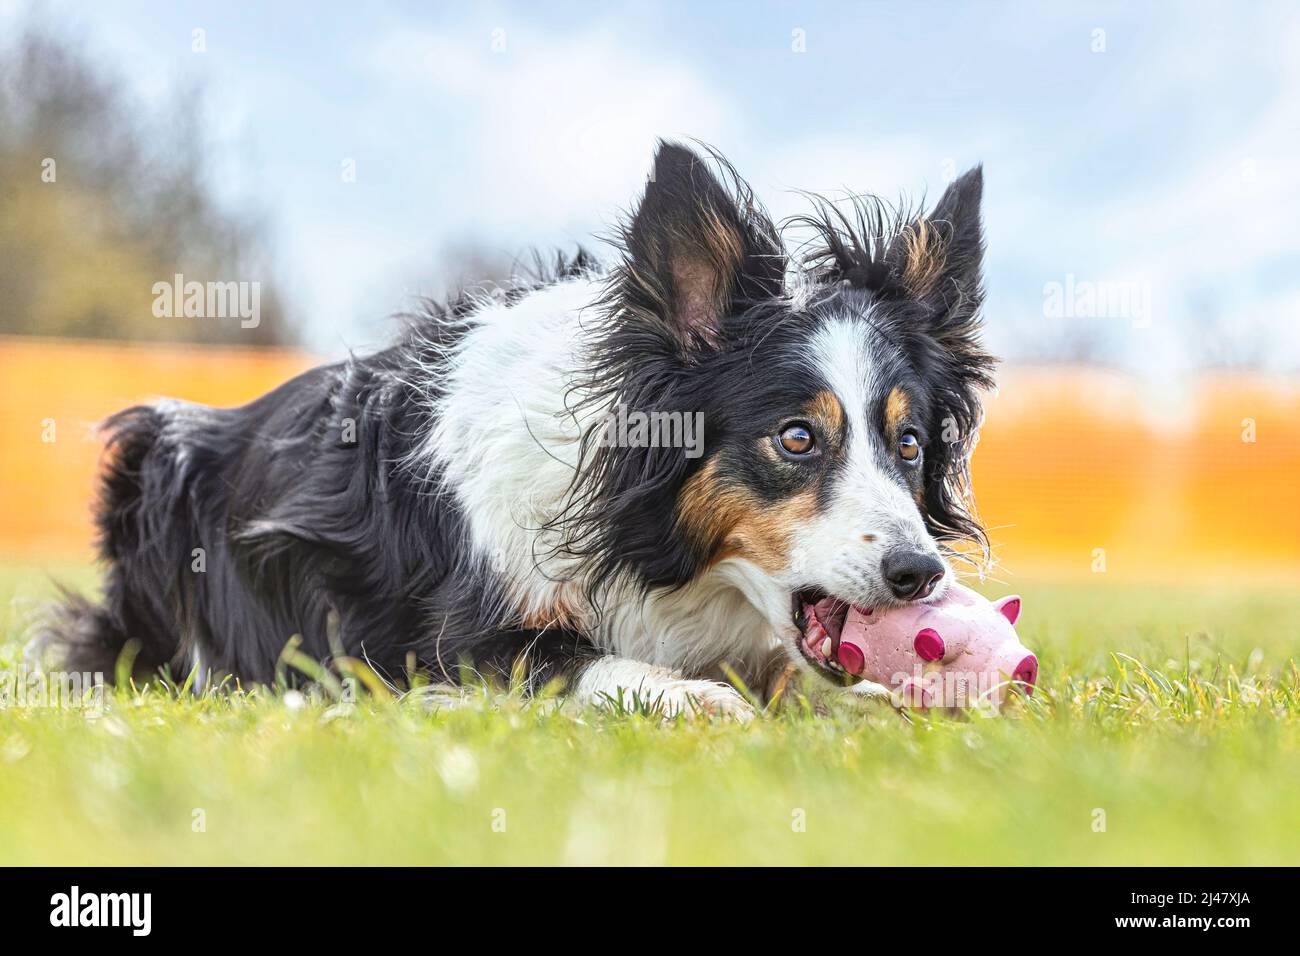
639, 481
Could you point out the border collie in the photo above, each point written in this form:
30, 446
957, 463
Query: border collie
489, 494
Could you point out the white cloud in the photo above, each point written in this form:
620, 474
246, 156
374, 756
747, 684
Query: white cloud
1206, 234
557, 125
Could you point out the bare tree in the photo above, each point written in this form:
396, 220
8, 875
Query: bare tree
99, 202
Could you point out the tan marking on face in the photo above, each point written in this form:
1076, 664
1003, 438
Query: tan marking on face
924, 255
728, 521
897, 405
826, 409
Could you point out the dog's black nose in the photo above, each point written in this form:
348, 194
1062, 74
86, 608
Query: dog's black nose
911, 575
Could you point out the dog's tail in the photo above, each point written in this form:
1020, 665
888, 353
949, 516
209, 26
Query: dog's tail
80, 636
137, 491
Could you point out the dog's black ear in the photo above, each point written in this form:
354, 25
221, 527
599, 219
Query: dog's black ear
939, 258
696, 249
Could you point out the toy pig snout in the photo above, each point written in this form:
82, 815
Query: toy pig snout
930, 647
1026, 673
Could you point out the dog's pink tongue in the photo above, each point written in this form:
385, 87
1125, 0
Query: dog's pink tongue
823, 624
827, 611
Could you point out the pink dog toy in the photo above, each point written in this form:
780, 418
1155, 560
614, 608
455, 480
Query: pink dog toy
960, 651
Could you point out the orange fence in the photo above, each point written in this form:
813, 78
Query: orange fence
1078, 471
54, 392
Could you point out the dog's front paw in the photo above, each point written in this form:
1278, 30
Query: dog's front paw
870, 690
706, 698
636, 687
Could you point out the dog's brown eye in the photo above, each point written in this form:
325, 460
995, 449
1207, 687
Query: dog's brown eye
797, 440
909, 449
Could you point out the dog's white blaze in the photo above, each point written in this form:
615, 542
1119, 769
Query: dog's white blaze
866, 500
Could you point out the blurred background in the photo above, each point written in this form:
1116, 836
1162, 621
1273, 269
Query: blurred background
337, 160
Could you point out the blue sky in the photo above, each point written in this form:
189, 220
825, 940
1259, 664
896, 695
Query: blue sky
1160, 152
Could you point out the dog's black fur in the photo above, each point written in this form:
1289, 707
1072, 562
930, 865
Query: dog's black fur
233, 530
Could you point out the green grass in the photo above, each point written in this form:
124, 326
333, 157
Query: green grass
1193, 755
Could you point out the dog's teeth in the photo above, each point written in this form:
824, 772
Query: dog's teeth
826, 648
